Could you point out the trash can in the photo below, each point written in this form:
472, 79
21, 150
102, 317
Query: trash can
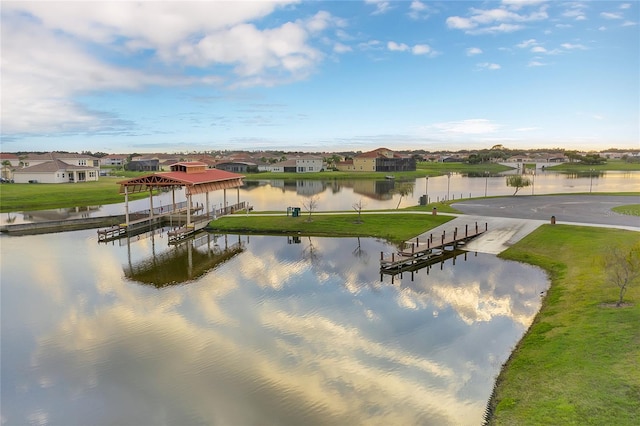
434, 211
553, 220
296, 212
423, 200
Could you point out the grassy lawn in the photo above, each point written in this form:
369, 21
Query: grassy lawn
630, 209
27, 196
395, 228
579, 363
611, 165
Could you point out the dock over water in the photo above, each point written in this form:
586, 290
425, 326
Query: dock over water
418, 253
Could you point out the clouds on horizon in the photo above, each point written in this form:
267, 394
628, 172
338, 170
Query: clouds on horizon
55, 57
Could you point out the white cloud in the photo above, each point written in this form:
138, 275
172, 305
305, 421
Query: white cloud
518, 4
418, 10
458, 23
625, 6
611, 15
570, 46
382, 6
470, 126
53, 53
498, 20
629, 23
488, 66
397, 47
526, 43
471, 51
421, 49
538, 49
535, 63
341, 48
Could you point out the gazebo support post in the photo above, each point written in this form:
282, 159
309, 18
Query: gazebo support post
150, 202
188, 209
126, 206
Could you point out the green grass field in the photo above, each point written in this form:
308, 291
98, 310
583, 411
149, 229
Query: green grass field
579, 364
25, 196
395, 228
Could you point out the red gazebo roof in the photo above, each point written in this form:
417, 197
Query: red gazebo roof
195, 182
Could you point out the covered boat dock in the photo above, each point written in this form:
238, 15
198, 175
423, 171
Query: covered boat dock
196, 178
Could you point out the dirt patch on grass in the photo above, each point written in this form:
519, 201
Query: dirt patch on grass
615, 305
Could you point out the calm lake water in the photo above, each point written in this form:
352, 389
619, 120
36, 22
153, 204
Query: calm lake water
277, 195
237, 330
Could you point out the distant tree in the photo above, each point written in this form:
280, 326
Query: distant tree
358, 207
593, 159
518, 182
403, 189
622, 268
310, 205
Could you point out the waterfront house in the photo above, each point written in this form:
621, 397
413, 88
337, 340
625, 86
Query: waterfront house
378, 160
57, 167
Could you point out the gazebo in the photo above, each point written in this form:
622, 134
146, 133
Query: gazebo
195, 177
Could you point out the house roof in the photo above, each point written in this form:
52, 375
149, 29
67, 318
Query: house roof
375, 153
52, 167
7, 156
207, 180
50, 156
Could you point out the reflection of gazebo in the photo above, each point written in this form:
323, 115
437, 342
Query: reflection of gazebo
186, 262
194, 177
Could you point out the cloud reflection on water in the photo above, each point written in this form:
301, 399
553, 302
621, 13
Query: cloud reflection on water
274, 336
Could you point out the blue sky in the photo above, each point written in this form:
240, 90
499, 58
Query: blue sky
168, 76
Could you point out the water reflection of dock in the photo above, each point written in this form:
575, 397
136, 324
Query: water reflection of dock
185, 262
420, 254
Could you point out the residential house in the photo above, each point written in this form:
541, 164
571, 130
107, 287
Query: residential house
305, 164
56, 167
117, 160
379, 160
9, 163
237, 166
143, 165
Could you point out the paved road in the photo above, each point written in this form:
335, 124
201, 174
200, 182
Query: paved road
584, 209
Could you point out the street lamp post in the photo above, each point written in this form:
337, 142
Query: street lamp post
533, 183
486, 177
426, 191
590, 180
448, 183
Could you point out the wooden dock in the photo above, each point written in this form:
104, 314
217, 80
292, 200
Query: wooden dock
417, 254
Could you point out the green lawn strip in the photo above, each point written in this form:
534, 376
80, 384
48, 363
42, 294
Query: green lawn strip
579, 363
629, 209
25, 196
610, 165
395, 228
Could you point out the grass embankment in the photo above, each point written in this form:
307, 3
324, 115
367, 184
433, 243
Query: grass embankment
579, 363
396, 228
26, 196
609, 166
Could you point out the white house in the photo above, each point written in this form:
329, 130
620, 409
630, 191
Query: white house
305, 164
58, 168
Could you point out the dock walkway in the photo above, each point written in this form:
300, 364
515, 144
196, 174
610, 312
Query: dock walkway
429, 249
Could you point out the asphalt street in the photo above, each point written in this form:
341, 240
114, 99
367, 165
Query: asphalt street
587, 209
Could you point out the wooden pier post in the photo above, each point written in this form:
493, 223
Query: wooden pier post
417, 242
466, 230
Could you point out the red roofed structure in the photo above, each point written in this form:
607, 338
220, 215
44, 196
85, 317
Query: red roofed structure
194, 176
